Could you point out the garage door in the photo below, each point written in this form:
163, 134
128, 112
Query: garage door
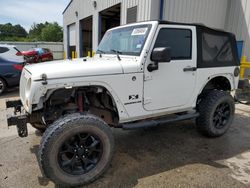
72, 35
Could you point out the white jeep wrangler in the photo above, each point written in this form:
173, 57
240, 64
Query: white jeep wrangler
143, 75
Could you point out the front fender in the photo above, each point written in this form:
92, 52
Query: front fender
46, 90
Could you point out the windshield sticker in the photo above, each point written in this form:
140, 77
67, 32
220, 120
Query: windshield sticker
138, 46
139, 31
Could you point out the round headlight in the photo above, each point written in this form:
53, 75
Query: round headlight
27, 89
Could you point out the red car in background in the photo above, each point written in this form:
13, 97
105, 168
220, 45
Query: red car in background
37, 55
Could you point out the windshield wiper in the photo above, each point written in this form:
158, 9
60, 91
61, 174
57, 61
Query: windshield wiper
101, 52
117, 53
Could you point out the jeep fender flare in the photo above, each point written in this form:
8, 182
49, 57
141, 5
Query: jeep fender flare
228, 77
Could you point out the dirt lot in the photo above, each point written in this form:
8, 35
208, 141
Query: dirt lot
168, 156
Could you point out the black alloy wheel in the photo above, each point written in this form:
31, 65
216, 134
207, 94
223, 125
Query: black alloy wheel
80, 153
221, 115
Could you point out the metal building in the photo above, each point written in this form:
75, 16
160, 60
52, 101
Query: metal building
85, 21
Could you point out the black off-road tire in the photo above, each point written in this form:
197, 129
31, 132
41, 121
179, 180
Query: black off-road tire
58, 133
208, 123
3, 86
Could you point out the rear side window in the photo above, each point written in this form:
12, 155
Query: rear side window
3, 50
179, 40
216, 48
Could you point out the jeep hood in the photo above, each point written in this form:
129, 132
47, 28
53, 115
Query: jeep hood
75, 68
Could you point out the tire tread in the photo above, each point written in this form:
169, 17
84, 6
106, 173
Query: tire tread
54, 129
205, 107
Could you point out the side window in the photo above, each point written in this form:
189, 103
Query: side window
3, 50
179, 40
216, 48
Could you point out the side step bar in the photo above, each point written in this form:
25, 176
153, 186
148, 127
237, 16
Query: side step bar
157, 122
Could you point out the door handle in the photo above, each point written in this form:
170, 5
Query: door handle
189, 69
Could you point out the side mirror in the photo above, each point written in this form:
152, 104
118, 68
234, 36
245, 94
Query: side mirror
160, 55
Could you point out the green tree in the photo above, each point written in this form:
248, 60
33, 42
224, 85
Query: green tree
52, 32
19, 31
9, 30
36, 30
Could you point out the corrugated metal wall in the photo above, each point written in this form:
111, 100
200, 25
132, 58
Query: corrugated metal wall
209, 12
55, 47
84, 8
239, 22
231, 15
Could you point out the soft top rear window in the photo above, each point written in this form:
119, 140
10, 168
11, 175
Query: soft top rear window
216, 48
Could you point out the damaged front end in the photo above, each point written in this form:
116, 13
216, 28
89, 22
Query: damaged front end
242, 94
94, 100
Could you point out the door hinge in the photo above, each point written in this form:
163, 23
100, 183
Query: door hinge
148, 77
147, 101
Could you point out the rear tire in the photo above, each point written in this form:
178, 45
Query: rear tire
217, 109
76, 150
2, 86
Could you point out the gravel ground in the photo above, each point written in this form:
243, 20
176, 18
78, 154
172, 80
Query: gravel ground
174, 155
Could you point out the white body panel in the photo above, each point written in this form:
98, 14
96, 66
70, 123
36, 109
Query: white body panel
128, 77
164, 87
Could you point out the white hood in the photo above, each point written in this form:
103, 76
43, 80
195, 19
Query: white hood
75, 68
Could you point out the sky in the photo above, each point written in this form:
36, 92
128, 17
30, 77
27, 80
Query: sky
26, 12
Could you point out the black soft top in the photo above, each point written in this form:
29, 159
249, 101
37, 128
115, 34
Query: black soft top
199, 25
216, 48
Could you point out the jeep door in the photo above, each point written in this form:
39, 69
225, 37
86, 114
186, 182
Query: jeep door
171, 85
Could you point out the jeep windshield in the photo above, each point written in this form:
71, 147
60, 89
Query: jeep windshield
124, 41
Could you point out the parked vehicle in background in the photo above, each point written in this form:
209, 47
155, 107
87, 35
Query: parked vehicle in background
37, 55
11, 65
